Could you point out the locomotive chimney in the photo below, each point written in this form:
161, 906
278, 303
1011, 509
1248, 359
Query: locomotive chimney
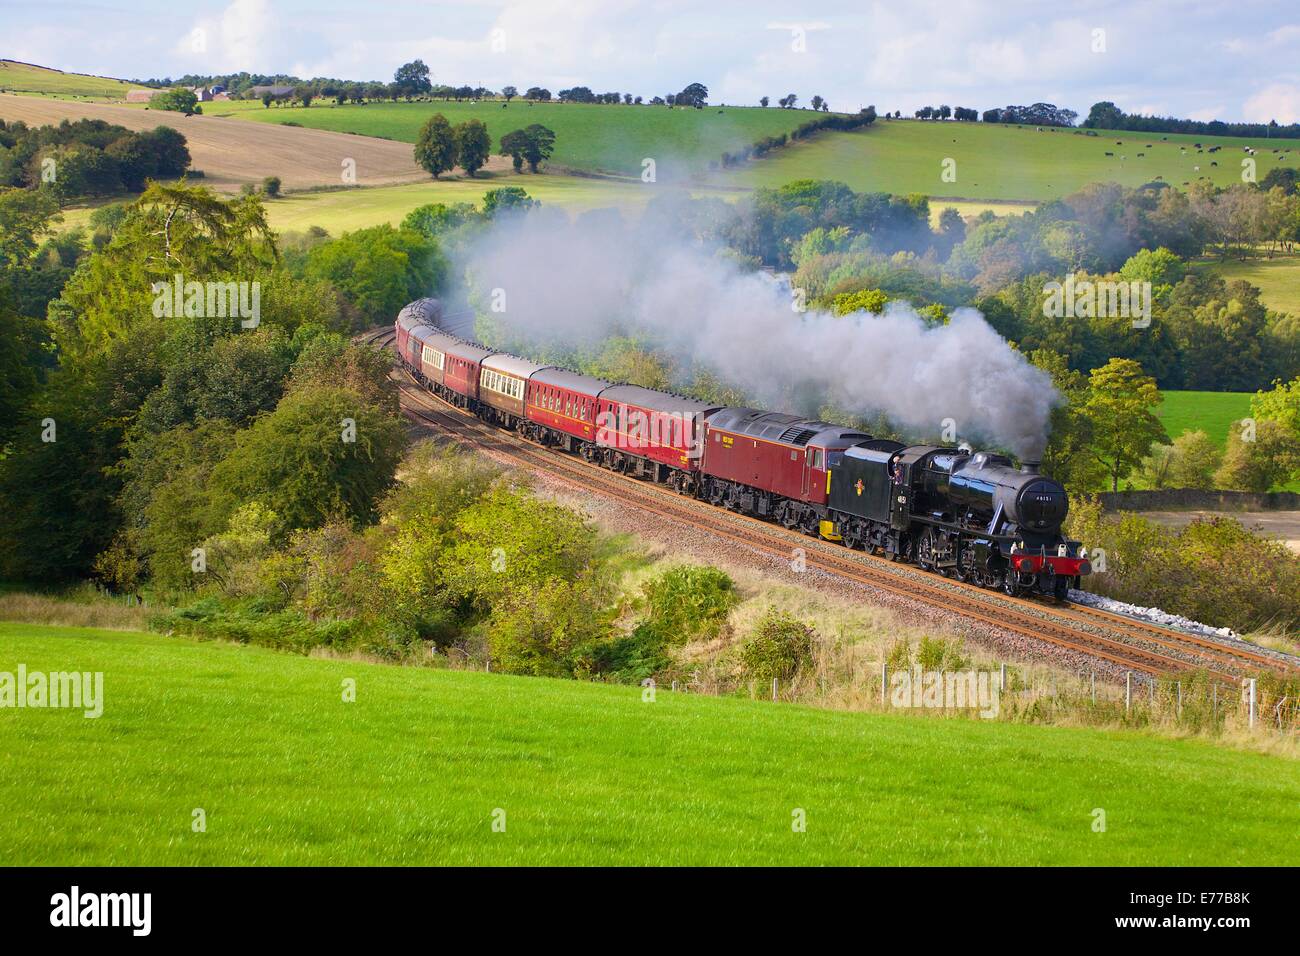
1030, 467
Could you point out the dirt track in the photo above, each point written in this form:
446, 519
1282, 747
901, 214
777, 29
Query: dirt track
232, 152
1282, 525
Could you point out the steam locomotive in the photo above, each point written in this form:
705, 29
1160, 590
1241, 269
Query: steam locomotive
973, 516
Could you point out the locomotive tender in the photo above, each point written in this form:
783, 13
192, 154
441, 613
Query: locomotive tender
970, 515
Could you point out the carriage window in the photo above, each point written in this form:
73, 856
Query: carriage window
817, 458
834, 458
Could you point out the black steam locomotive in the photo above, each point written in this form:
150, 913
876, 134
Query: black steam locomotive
973, 516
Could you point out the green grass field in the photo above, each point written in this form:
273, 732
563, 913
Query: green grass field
414, 770
342, 210
994, 162
1211, 412
1278, 279
612, 139
18, 77
1005, 162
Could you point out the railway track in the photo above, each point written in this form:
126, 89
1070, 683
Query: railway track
1123, 642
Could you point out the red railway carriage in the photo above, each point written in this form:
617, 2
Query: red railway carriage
503, 383
772, 464
416, 321
430, 350
565, 401
660, 427
461, 371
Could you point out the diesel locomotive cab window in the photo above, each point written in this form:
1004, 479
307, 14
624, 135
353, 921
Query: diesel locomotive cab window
817, 458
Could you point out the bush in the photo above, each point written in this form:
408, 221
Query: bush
629, 658
936, 654
689, 602
1214, 571
780, 646
271, 186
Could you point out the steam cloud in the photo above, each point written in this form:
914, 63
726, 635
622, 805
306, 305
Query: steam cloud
576, 284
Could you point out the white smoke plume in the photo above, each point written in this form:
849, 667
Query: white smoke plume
576, 284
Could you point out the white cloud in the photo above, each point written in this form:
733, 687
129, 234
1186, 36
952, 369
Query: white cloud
1280, 101
239, 39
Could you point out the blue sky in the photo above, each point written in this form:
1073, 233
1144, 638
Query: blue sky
1214, 59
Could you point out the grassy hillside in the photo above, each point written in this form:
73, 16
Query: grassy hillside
413, 770
598, 138
1211, 412
18, 77
1278, 279
1006, 162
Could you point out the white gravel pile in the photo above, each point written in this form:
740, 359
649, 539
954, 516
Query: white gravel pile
1152, 614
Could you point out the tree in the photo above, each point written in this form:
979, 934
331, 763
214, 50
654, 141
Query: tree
507, 199
1281, 405
1259, 455
473, 144
763, 101
178, 100
533, 145
379, 269
435, 147
1118, 411
271, 186
433, 219
304, 95
696, 94
817, 102
1160, 267
413, 76
1067, 457
323, 453
537, 93
1104, 115
509, 93
1190, 462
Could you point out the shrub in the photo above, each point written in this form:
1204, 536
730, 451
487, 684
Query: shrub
937, 654
689, 602
778, 648
271, 186
1214, 571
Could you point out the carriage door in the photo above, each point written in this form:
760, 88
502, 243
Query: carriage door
814, 463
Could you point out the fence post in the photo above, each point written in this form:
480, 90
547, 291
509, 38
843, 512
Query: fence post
1251, 700
1278, 711
1092, 676
1179, 712
884, 682
1003, 685
1216, 702
674, 686
774, 680
487, 666
1128, 690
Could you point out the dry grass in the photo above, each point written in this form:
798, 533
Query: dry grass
75, 610
232, 153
